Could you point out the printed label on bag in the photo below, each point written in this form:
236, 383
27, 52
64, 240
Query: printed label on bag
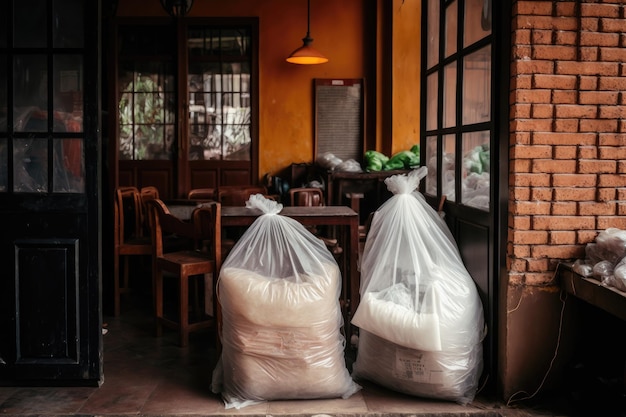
416, 366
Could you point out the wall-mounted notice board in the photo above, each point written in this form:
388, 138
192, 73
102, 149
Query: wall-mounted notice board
339, 117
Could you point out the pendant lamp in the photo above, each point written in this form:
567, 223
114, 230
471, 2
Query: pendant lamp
306, 54
177, 8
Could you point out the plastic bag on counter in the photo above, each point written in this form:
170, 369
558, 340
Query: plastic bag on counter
281, 336
420, 316
328, 161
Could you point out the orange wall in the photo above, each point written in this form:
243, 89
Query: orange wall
286, 90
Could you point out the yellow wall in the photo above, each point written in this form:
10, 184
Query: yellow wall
340, 31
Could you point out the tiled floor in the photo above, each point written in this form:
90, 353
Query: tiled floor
145, 375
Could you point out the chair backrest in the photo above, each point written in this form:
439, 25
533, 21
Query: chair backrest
238, 195
301, 196
147, 193
201, 194
203, 229
127, 214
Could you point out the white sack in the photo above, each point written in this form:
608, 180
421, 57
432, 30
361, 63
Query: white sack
281, 335
416, 292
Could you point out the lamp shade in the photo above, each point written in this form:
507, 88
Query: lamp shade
306, 54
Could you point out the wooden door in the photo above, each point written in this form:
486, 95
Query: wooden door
50, 315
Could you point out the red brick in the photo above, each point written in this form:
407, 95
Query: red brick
541, 194
565, 97
611, 83
531, 125
612, 25
521, 111
515, 279
542, 37
621, 167
574, 194
519, 193
588, 208
599, 39
556, 82
585, 236
612, 139
566, 125
539, 279
580, 111
587, 125
533, 8
611, 221
588, 166
537, 265
521, 52
551, 166
566, 8
529, 237
520, 165
547, 138
599, 10
609, 180
606, 194
558, 251
588, 83
554, 52
612, 54
520, 138
533, 67
566, 38
621, 194
523, 82
574, 180
530, 180
542, 111
521, 251
530, 207
532, 96
516, 264
589, 24
612, 112
621, 209
598, 97
589, 53
521, 37
565, 152
562, 237
612, 152
520, 222
587, 152
531, 152
564, 208
587, 68
563, 222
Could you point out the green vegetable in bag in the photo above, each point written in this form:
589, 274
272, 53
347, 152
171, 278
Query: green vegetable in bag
402, 160
375, 161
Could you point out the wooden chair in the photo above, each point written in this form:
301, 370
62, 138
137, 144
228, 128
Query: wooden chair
147, 193
129, 239
201, 194
203, 257
312, 197
237, 195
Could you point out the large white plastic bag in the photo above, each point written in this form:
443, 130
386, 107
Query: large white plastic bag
416, 294
281, 321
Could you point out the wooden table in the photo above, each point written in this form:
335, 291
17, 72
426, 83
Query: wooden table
343, 217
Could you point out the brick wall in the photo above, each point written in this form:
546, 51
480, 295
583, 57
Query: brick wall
567, 177
568, 131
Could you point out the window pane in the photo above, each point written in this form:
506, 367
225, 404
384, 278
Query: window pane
448, 167
68, 24
431, 101
477, 20
68, 91
146, 112
449, 95
431, 164
477, 86
433, 33
476, 169
451, 28
69, 166
30, 165
30, 92
30, 23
